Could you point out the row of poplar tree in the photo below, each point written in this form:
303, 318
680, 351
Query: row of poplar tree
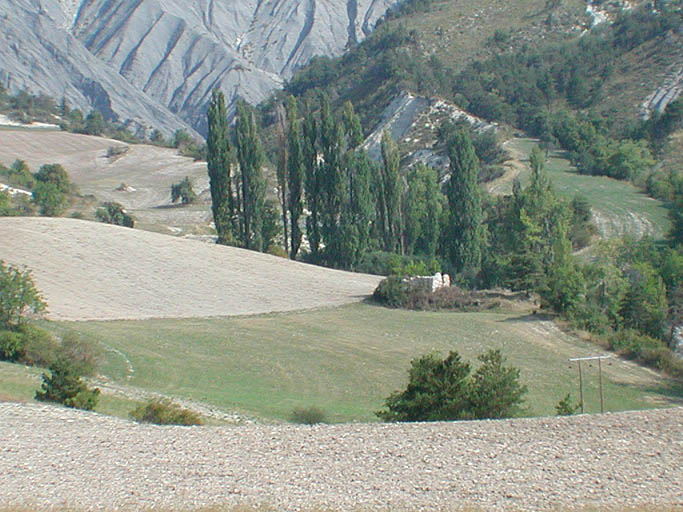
329, 188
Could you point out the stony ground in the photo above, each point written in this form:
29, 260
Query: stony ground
53, 457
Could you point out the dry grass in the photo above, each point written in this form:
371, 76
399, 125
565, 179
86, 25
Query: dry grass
90, 271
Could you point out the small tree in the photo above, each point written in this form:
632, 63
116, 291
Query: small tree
437, 390
183, 191
565, 407
50, 200
114, 213
496, 391
443, 390
18, 296
64, 386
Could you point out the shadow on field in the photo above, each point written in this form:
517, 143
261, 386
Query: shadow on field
671, 391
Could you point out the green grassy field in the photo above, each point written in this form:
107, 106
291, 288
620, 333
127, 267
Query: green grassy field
619, 208
343, 360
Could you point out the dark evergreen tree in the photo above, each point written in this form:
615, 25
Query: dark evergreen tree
295, 175
465, 233
282, 128
333, 147
422, 211
391, 192
251, 159
312, 180
218, 164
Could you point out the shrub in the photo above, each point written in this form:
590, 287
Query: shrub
11, 346
114, 213
308, 415
64, 386
183, 191
391, 291
40, 348
83, 355
164, 412
443, 390
565, 407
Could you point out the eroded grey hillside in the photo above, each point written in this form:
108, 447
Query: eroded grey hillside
171, 53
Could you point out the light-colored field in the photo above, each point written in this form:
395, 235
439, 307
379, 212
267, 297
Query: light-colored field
89, 270
52, 458
148, 171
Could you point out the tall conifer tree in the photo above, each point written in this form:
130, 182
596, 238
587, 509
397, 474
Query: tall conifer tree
312, 179
465, 231
251, 158
218, 163
295, 174
391, 222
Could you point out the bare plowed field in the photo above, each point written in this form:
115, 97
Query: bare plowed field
147, 171
89, 271
52, 457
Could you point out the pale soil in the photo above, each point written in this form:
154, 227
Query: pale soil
148, 170
514, 167
94, 271
53, 457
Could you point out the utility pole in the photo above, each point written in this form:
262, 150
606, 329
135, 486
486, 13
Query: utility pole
599, 360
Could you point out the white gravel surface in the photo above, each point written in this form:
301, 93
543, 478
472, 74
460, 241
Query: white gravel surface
53, 457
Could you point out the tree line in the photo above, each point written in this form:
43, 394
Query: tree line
329, 190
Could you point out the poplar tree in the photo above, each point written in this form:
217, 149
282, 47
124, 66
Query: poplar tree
312, 180
218, 163
332, 144
282, 129
390, 214
251, 158
465, 231
295, 174
422, 211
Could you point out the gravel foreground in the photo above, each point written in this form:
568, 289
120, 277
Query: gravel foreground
52, 457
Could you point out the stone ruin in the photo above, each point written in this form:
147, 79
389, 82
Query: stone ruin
429, 283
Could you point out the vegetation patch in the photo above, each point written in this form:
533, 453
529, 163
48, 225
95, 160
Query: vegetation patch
165, 412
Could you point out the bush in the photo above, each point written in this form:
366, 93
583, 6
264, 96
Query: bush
183, 191
11, 346
83, 355
49, 199
444, 390
40, 348
308, 415
64, 386
391, 291
114, 213
565, 407
164, 412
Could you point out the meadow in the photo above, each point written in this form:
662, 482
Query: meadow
343, 360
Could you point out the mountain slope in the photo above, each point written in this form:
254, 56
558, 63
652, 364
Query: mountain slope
89, 270
143, 60
39, 55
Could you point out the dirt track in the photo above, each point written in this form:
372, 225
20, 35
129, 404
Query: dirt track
52, 457
88, 271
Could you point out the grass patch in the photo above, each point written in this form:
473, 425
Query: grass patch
347, 360
619, 208
20, 383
